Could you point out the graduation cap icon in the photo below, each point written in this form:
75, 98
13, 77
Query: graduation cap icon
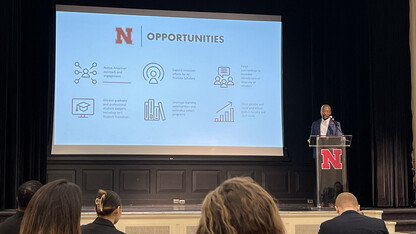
82, 106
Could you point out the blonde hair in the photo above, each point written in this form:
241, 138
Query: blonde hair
54, 208
346, 199
106, 202
240, 206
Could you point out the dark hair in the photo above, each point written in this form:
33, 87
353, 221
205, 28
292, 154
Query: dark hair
240, 206
106, 202
26, 191
55, 208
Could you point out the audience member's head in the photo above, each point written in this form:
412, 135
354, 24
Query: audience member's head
26, 192
55, 208
346, 201
239, 206
108, 205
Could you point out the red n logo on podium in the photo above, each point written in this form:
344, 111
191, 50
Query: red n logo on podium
334, 159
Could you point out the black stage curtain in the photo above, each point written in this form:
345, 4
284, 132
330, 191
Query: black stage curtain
24, 94
353, 55
360, 65
390, 101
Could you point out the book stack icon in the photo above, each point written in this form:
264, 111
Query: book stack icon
153, 112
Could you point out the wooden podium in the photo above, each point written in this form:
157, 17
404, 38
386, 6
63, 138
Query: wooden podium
331, 167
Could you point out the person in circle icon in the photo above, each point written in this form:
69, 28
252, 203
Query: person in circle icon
153, 79
230, 81
217, 80
224, 83
153, 73
85, 73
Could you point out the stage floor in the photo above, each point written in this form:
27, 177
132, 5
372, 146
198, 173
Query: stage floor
197, 208
184, 219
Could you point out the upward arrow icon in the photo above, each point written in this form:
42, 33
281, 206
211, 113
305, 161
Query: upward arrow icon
229, 103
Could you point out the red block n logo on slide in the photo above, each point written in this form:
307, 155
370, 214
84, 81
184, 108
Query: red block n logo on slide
329, 158
122, 34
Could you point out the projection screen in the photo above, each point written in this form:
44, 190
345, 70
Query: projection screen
150, 82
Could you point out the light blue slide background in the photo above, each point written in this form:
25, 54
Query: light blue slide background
90, 37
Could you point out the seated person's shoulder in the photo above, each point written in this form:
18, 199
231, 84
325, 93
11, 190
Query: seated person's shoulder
10, 225
86, 229
91, 228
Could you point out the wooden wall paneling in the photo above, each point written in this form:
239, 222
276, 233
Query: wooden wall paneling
70, 175
152, 184
94, 179
303, 183
231, 173
204, 181
276, 180
170, 181
135, 181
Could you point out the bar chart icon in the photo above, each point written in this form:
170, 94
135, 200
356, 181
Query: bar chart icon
225, 114
153, 112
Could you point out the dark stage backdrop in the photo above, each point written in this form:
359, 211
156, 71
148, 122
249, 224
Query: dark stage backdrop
353, 55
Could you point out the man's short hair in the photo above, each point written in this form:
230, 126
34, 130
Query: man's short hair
346, 199
26, 191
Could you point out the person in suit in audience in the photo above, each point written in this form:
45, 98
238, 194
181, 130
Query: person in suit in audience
108, 208
24, 194
240, 206
350, 220
55, 208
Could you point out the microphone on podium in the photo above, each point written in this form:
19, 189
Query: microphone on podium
336, 124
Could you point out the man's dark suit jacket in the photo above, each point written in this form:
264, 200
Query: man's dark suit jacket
12, 224
351, 222
100, 226
332, 129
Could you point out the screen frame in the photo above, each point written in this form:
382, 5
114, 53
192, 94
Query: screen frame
165, 152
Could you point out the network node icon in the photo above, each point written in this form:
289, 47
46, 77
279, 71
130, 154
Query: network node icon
86, 73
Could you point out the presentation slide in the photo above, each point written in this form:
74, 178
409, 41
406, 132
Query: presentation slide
146, 82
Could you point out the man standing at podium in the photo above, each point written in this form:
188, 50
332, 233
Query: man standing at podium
326, 126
